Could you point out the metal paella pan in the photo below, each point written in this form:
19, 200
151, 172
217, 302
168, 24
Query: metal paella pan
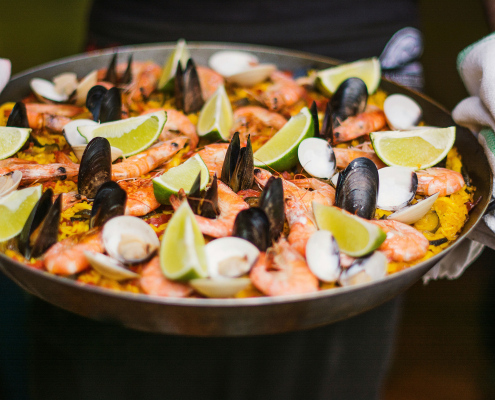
235, 317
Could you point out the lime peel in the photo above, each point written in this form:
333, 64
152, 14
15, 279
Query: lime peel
216, 117
12, 140
181, 53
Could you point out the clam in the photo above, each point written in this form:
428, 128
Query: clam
323, 256
272, 203
224, 287
95, 168
366, 269
65, 83
240, 67
45, 91
129, 240
84, 86
109, 267
9, 182
335, 179
5, 69
317, 157
357, 188
401, 111
187, 88
348, 100
72, 135
238, 165
230, 257
414, 212
253, 225
109, 202
397, 187
105, 104
18, 116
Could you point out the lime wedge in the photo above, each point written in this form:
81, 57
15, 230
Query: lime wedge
354, 235
181, 53
328, 80
182, 252
131, 135
15, 209
216, 117
12, 140
280, 152
417, 148
180, 177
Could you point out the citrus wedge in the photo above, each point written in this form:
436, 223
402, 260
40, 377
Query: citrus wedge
216, 117
182, 252
417, 148
12, 140
328, 80
354, 235
181, 53
280, 152
15, 209
131, 135
180, 177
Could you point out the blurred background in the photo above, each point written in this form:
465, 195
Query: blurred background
443, 349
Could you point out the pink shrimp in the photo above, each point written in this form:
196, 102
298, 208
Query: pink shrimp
282, 271
255, 120
71, 198
209, 81
284, 92
433, 180
177, 123
140, 196
345, 156
403, 242
148, 160
51, 116
214, 155
144, 80
33, 172
153, 282
230, 205
373, 119
67, 257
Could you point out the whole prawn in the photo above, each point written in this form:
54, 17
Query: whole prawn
153, 282
345, 156
51, 116
284, 92
214, 155
140, 196
209, 81
254, 120
433, 180
372, 119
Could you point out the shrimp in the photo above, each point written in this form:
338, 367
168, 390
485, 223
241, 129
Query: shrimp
67, 257
177, 123
209, 81
345, 156
284, 92
373, 119
253, 119
403, 242
34, 172
148, 160
230, 205
140, 197
145, 77
51, 116
281, 271
153, 282
71, 198
433, 180
214, 155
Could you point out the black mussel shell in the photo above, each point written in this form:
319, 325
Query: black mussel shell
94, 99
465, 175
349, 99
179, 87
127, 77
230, 160
111, 106
194, 198
243, 175
253, 225
111, 75
18, 117
327, 124
95, 168
357, 188
110, 201
314, 113
204, 203
48, 232
252, 201
193, 97
272, 203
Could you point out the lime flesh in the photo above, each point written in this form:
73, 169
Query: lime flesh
12, 140
181, 53
216, 117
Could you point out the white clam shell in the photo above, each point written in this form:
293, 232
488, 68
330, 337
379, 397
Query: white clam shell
71, 133
364, 270
129, 239
228, 63
253, 76
84, 86
335, 179
45, 90
317, 157
230, 257
401, 111
79, 151
397, 187
322, 255
109, 267
5, 71
220, 287
413, 213
65, 83
9, 183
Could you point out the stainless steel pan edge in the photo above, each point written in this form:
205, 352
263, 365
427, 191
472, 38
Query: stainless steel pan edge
232, 317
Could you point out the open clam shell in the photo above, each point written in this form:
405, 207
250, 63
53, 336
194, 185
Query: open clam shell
323, 256
109, 267
413, 213
9, 182
114, 151
65, 83
397, 187
45, 90
72, 135
84, 86
317, 157
230, 257
401, 111
366, 269
219, 288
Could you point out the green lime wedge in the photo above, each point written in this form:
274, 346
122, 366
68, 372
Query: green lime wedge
328, 80
280, 152
216, 117
15, 209
12, 140
131, 135
180, 177
354, 235
181, 53
417, 148
182, 252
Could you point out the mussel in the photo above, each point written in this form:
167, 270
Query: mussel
272, 203
187, 89
349, 100
95, 168
238, 166
41, 229
253, 225
104, 104
357, 188
109, 202
112, 76
204, 203
18, 116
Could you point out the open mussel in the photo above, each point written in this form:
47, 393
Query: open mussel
204, 203
95, 168
18, 117
349, 100
253, 225
357, 188
238, 166
113, 77
187, 88
272, 203
105, 104
41, 229
109, 202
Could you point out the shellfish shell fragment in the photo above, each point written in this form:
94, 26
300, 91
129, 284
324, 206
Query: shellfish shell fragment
414, 212
317, 158
9, 182
109, 267
401, 111
230, 257
397, 187
323, 256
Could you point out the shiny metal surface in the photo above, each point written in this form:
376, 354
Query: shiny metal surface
233, 317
